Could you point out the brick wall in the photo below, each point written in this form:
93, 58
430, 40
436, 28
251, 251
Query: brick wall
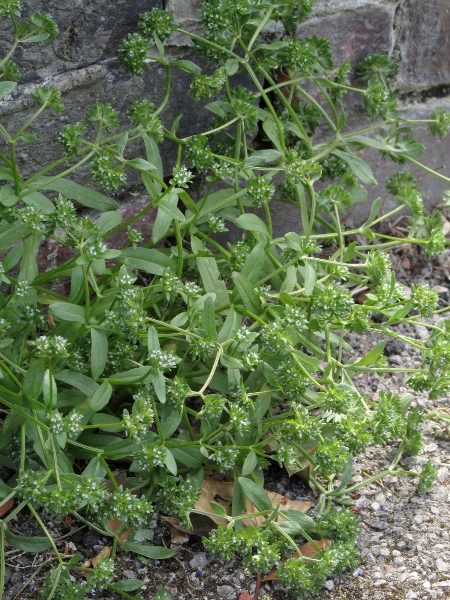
81, 63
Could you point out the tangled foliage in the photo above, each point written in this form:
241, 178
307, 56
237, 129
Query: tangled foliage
179, 353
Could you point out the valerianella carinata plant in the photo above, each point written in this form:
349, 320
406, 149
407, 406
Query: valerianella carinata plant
179, 353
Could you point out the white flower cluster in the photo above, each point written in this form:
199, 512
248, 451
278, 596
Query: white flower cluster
181, 176
161, 360
51, 346
150, 457
22, 288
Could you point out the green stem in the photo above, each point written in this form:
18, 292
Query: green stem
167, 92
176, 227
46, 532
427, 169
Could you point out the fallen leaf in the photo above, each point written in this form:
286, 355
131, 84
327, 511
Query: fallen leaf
245, 596
307, 550
105, 552
6, 507
115, 524
221, 492
178, 537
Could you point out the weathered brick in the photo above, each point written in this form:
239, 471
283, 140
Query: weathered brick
424, 44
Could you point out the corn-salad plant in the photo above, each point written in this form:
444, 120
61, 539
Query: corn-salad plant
179, 354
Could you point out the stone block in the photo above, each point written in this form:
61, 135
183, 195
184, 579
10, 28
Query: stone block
423, 45
101, 82
89, 32
354, 32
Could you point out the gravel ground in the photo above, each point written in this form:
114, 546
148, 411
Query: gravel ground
405, 547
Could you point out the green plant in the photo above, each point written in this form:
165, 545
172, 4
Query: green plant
215, 357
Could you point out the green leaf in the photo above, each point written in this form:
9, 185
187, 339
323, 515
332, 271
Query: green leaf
248, 295
350, 252
159, 383
99, 352
187, 65
31, 544
28, 138
219, 200
254, 263
364, 141
232, 66
156, 552
94, 469
360, 168
164, 217
78, 381
310, 279
372, 356
12, 258
5, 490
399, 314
294, 241
154, 157
49, 390
6, 87
146, 259
152, 339
231, 325
218, 509
170, 208
39, 202
310, 362
170, 462
250, 463
130, 376
190, 457
290, 280
34, 39
34, 379
109, 220
271, 130
106, 422
128, 585
7, 196
347, 473
209, 272
209, 319
262, 157
68, 312
10, 234
230, 362
6, 174
170, 425
251, 222
101, 396
74, 191
122, 142
373, 213
306, 523
140, 164
255, 494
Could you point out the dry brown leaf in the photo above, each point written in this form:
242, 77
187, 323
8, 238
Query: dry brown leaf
178, 537
306, 550
6, 507
115, 524
245, 596
105, 552
276, 499
221, 492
